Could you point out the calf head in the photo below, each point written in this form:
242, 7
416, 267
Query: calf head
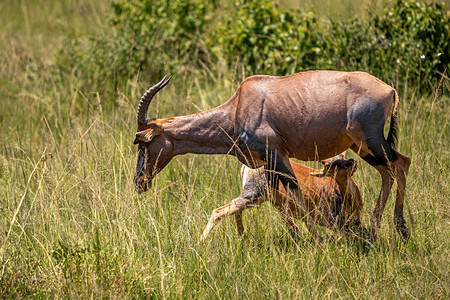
339, 169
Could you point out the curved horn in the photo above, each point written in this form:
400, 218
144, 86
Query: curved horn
147, 98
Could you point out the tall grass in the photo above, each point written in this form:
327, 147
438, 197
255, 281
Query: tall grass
73, 226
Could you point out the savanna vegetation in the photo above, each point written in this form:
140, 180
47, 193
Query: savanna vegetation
71, 75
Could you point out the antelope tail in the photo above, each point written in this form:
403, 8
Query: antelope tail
392, 135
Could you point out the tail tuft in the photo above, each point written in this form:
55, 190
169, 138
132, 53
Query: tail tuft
392, 135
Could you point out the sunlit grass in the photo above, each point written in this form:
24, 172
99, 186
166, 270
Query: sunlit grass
73, 226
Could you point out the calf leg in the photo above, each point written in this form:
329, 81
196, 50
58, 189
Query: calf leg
357, 229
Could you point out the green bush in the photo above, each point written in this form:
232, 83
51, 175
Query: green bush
409, 41
418, 29
163, 32
150, 35
267, 39
97, 62
168, 36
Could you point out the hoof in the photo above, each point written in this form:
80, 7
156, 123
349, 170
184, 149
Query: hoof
402, 229
404, 232
372, 235
365, 246
359, 231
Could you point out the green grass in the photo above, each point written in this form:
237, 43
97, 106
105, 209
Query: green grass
73, 226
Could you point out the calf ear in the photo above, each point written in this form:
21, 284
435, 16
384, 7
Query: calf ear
147, 135
350, 163
318, 173
354, 165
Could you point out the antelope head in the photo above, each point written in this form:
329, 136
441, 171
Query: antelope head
342, 169
154, 147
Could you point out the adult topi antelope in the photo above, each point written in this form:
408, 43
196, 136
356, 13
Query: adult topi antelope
310, 115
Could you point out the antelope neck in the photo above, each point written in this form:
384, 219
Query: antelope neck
209, 132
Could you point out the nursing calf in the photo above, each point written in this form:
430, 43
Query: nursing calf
331, 196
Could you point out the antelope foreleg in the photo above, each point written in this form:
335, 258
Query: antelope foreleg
234, 207
297, 197
278, 169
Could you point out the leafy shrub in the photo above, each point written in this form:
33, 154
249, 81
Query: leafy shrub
267, 39
158, 36
96, 61
163, 30
419, 29
143, 34
409, 40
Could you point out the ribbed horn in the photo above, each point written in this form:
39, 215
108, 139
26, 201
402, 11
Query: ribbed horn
147, 98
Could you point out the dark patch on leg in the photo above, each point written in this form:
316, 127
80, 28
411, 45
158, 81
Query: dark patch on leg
382, 150
369, 115
254, 187
374, 161
277, 171
380, 155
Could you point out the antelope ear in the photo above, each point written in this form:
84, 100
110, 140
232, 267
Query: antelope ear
318, 173
148, 134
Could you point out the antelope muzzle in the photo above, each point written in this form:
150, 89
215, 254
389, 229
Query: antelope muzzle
142, 182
